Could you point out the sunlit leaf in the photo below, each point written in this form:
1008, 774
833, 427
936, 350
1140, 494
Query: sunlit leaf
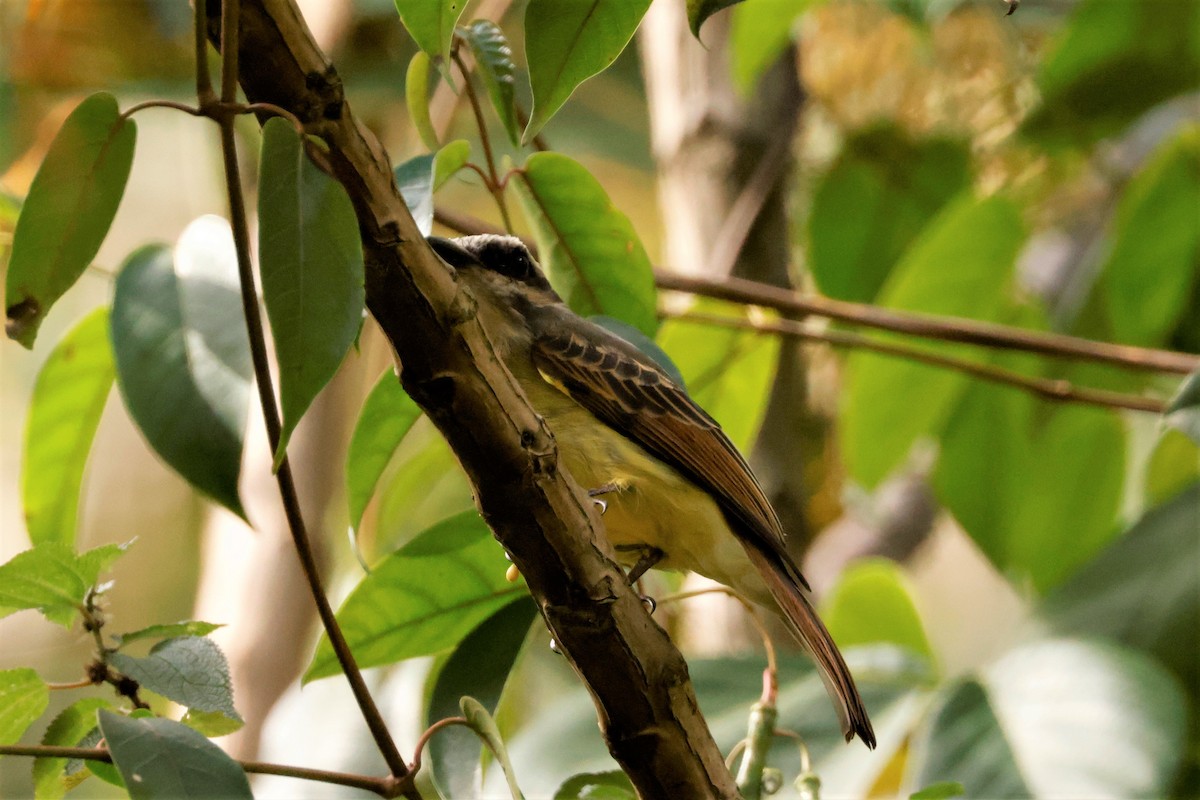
872, 604
1173, 466
68, 399
759, 32
567, 43
431, 25
1028, 726
23, 698
1155, 256
449, 160
482, 723
162, 758
424, 598
53, 578
494, 62
479, 667
68, 211
50, 778
183, 355
191, 670
611, 785
311, 259
942, 790
416, 98
961, 265
387, 415
189, 627
211, 723
589, 249
882, 191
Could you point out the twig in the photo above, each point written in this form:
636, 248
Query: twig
731, 238
1055, 389
952, 329
266, 395
204, 87
377, 785
441, 724
493, 182
82, 683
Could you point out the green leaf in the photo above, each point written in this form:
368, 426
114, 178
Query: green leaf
494, 61
431, 25
1183, 412
424, 598
1155, 256
415, 180
759, 32
961, 265
53, 579
211, 723
728, 371
482, 723
479, 667
942, 790
1114, 60
67, 213
700, 10
1173, 466
311, 259
1028, 726
449, 160
589, 249
161, 758
23, 698
171, 630
191, 670
567, 43
183, 355
611, 785
416, 97
74, 722
387, 416
879, 195
68, 398
872, 603
1054, 480
1141, 590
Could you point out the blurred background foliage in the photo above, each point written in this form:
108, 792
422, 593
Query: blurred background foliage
1039, 635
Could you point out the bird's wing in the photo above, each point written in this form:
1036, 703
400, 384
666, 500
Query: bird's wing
631, 394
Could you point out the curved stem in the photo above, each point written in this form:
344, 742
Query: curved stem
493, 181
441, 724
184, 107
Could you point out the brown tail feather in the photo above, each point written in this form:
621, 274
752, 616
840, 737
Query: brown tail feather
811, 632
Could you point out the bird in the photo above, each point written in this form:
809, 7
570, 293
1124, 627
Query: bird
677, 494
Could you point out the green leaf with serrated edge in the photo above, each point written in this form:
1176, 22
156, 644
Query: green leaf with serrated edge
161, 758
424, 598
612, 785
872, 603
67, 730
567, 43
1025, 727
874, 201
728, 371
1111, 62
387, 416
482, 723
1173, 466
190, 627
1141, 589
494, 63
211, 723
759, 32
191, 670
449, 160
183, 355
431, 25
416, 97
23, 698
698, 11
415, 180
589, 249
479, 667
53, 579
960, 265
1155, 258
68, 398
68, 211
1183, 412
943, 790
311, 260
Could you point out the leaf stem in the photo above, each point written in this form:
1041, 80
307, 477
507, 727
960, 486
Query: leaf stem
441, 724
493, 179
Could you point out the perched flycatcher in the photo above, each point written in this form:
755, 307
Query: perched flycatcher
678, 494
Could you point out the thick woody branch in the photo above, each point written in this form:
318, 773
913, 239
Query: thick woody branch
639, 681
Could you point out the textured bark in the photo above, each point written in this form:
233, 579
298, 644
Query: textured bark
646, 706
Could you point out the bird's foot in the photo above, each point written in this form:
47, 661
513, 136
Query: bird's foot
649, 557
599, 490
